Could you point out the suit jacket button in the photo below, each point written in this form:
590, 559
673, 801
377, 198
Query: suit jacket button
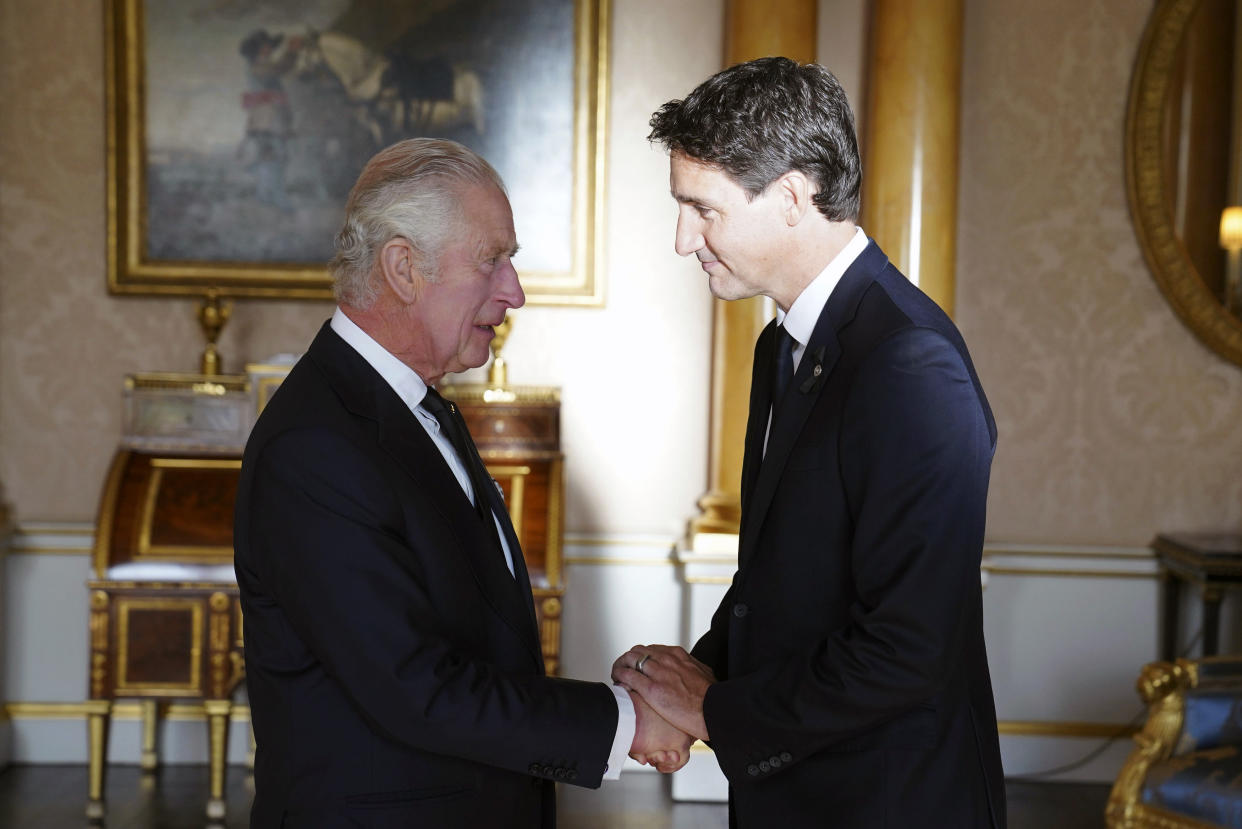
764, 766
786, 757
740, 610
752, 770
559, 774
774, 762
571, 775
535, 768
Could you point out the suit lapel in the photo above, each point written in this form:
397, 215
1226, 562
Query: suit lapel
365, 393
757, 418
520, 574
813, 375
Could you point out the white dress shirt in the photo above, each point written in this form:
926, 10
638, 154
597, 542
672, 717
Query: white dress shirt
802, 316
412, 389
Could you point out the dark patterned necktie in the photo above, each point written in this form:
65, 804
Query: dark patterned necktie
782, 365
454, 428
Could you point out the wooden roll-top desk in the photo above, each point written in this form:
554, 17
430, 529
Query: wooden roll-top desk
165, 616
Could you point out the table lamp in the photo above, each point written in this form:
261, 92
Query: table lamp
1231, 241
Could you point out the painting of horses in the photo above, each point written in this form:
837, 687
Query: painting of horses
249, 120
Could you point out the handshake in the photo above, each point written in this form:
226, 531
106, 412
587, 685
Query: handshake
667, 686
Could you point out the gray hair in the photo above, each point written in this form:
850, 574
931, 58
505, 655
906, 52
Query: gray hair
411, 190
757, 121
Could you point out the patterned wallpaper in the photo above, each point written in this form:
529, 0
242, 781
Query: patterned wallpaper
1115, 423
65, 345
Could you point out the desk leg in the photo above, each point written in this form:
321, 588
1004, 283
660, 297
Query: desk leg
98, 715
218, 734
1211, 619
1172, 594
150, 735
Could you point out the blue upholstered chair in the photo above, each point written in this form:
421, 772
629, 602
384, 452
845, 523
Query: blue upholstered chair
1186, 769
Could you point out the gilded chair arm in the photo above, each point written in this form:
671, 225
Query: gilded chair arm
1163, 686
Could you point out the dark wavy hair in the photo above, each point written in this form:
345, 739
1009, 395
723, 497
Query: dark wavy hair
757, 121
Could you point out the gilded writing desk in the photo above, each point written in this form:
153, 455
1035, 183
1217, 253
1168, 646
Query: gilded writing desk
165, 617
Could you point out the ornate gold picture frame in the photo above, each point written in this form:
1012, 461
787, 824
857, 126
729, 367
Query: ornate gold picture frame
235, 130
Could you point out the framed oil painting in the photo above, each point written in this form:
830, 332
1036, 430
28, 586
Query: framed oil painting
237, 127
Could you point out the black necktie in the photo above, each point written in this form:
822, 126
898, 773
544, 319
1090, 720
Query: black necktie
454, 428
488, 502
782, 365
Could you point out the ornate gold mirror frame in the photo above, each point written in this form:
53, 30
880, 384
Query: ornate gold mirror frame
1170, 263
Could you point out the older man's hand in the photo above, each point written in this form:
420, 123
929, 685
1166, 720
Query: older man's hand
670, 680
656, 741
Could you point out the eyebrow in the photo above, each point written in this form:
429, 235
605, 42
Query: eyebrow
684, 199
500, 250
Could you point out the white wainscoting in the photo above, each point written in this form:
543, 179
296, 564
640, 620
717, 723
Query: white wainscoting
1067, 628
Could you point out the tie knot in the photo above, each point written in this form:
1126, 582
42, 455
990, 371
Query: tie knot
437, 405
785, 340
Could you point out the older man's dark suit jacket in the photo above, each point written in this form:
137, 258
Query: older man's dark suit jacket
392, 661
855, 688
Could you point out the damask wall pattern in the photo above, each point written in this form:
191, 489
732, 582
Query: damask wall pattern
1115, 423
65, 345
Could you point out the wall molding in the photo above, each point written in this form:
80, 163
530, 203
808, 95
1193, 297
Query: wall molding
1055, 573
177, 711
57, 538
1001, 549
42, 537
240, 712
1050, 728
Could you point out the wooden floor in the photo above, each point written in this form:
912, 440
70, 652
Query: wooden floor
53, 797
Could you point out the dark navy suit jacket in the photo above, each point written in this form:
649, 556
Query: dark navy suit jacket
392, 660
855, 686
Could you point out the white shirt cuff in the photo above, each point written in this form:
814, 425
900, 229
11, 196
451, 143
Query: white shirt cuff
626, 725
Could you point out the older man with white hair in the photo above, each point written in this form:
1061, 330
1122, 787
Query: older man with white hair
392, 655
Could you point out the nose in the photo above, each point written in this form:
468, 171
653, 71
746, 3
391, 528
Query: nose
509, 290
688, 238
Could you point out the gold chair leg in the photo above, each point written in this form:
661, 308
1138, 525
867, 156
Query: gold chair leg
97, 720
150, 735
254, 745
218, 735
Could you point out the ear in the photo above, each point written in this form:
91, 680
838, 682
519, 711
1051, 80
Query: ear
795, 191
396, 262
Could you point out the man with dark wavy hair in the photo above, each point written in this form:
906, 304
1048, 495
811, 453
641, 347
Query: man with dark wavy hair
844, 680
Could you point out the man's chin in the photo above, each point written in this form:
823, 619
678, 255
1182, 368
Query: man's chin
726, 289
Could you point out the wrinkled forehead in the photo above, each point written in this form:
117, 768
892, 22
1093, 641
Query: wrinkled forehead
487, 217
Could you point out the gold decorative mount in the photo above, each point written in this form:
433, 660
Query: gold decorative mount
498, 374
212, 315
209, 384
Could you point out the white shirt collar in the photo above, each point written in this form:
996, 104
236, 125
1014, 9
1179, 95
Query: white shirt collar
804, 313
403, 379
